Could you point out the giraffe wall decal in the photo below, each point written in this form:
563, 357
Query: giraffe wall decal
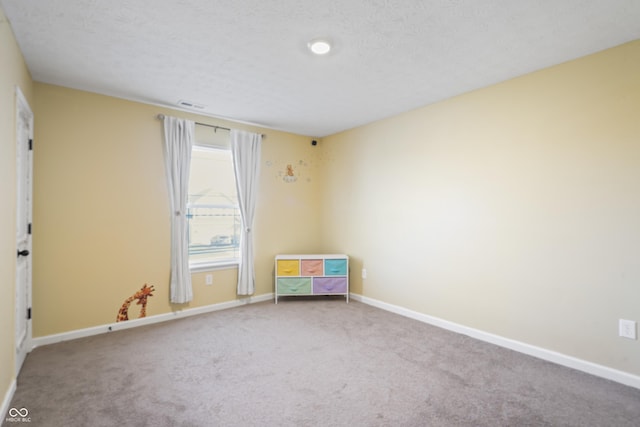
141, 296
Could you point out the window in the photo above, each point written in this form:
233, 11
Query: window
213, 215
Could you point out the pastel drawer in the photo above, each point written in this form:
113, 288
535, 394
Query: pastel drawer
294, 286
288, 267
330, 285
335, 267
312, 267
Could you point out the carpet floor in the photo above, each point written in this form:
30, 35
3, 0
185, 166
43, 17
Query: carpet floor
307, 362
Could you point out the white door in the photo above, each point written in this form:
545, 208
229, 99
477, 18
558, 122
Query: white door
24, 135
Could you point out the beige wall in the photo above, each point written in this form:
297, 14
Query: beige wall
101, 215
514, 209
13, 72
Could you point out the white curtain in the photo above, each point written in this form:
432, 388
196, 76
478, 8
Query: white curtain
246, 147
178, 141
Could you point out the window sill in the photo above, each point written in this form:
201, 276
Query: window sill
223, 265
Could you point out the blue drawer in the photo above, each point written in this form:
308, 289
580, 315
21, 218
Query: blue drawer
335, 267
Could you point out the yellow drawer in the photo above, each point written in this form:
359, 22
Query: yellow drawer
288, 267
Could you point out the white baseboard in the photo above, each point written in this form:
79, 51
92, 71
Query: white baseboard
133, 323
8, 396
531, 350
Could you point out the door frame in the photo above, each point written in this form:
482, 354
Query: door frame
24, 116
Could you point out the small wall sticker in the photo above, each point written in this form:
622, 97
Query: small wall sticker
289, 176
141, 296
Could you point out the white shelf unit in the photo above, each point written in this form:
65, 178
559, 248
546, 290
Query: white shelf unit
311, 274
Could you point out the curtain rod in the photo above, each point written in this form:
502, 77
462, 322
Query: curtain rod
161, 117
215, 128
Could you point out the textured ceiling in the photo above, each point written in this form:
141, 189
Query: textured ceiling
247, 60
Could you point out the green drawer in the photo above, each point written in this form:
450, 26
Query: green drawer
294, 285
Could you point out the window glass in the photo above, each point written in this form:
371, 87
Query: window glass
212, 208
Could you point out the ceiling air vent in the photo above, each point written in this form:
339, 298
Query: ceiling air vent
189, 104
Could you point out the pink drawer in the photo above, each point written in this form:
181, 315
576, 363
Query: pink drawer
330, 285
311, 267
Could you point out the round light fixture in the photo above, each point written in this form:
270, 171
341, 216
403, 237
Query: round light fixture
319, 46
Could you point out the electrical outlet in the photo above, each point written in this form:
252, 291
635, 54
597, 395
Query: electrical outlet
364, 273
627, 329
208, 279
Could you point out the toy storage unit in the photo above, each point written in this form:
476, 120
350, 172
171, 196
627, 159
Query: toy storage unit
312, 275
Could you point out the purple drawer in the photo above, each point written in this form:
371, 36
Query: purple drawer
330, 285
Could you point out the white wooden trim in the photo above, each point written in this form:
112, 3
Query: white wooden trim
8, 397
311, 256
531, 350
118, 326
23, 112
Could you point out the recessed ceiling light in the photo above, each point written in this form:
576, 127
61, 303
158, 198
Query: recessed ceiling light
319, 46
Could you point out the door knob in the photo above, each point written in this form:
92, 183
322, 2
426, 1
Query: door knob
23, 252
